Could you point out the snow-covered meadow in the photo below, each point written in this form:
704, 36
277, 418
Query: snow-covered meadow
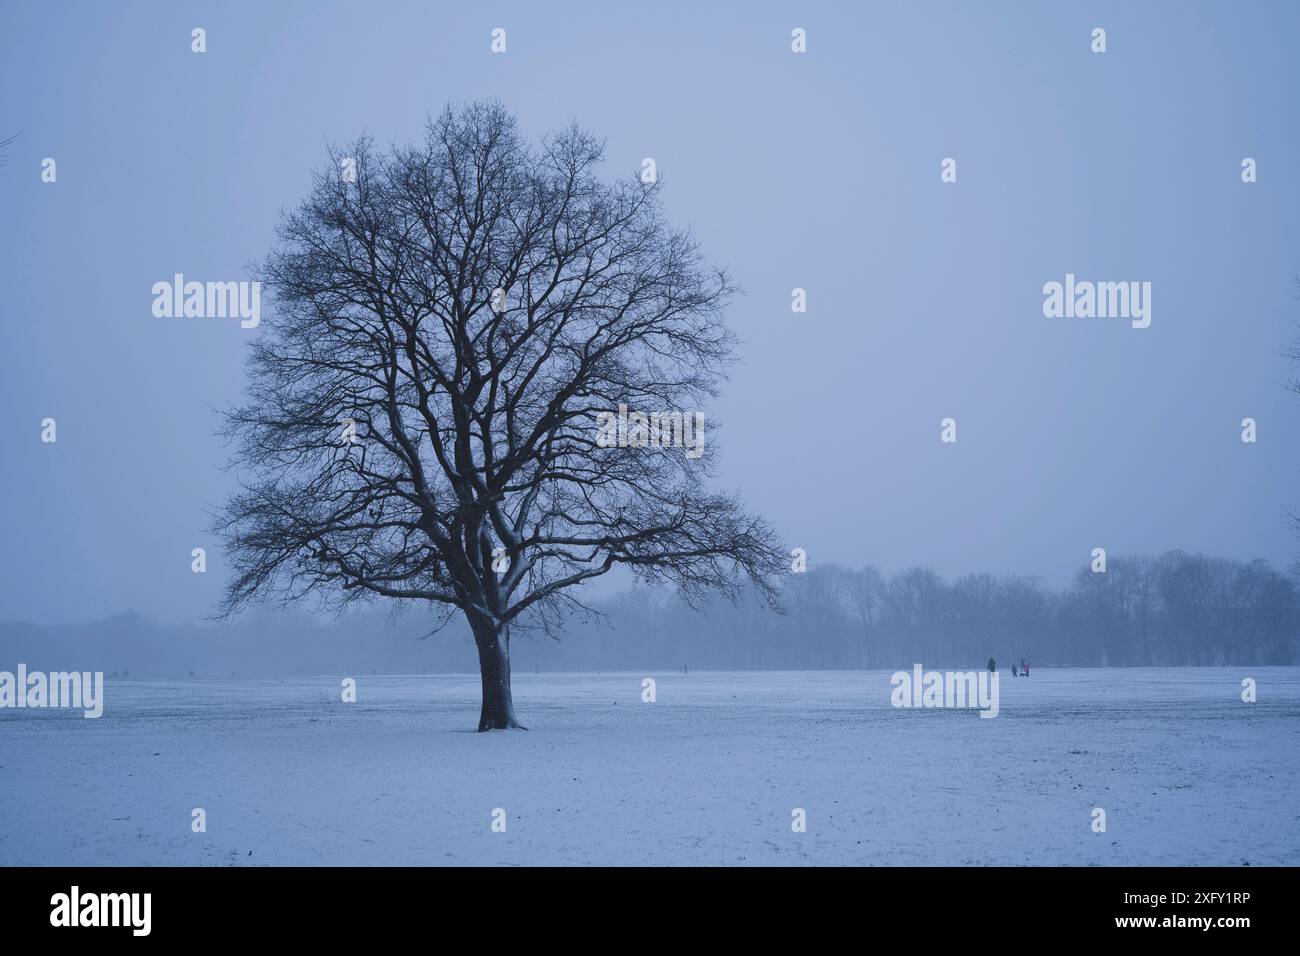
709, 773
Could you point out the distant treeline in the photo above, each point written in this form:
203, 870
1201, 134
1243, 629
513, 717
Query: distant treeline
1170, 610
1174, 609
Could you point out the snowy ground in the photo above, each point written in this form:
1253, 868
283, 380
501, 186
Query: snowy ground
288, 774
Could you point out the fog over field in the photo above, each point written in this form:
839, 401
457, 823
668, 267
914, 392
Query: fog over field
1174, 608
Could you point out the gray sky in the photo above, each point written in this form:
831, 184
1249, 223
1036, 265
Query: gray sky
818, 171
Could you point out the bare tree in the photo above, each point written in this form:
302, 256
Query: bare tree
5, 144
422, 411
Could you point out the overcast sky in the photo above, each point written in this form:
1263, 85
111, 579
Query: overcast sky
818, 170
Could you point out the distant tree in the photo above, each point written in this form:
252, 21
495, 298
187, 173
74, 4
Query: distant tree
1277, 613
468, 306
1095, 603
917, 609
1184, 592
1223, 637
817, 615
1022, 616
974, 600
1269, 608
864, 596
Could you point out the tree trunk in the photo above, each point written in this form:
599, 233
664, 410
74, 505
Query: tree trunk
498, 711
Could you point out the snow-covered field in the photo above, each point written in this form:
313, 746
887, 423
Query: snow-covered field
708, 774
